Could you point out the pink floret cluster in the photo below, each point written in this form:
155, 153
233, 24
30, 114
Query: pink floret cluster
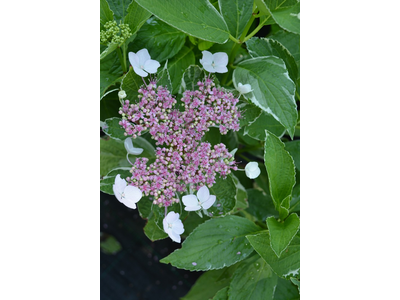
182, 158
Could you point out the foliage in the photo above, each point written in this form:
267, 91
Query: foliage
248, 241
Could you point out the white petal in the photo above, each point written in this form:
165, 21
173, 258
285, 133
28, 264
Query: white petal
175, 237
192, 208
252, 170
172, 217
177, 227
207, 204
203, 194
151, 66
221, 59
209, 68
207, 58
190, 200
143, 56
140, 72
244, 89
165, 225
134, 59
119, 186
117, 192
130, 149
132, 196
220, 69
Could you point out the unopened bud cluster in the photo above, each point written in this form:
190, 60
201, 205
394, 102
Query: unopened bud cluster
115, 34
182, 158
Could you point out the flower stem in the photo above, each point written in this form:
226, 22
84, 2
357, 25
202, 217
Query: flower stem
257, 29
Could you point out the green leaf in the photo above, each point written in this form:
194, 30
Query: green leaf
109, 105
136, 16
225, 191
153, 232
131, 83
213, 136
110, 48
273, 90
112, 155
148, 149
110, 71
285, 290
281, 172
293, 147
163, 78
236, 14
257, 128
261, 205
112, 128
268, 47
241, 195
119, 7
282, 233
222, 294
109, 244
290, 41
205, 45
254, 279
249, 113
107, 182
295, 282
190, 77
106, 14
210, 282
192, 221
177, 66
144, 207
215, 244
284, 12
197, 18
161, 40
288, 264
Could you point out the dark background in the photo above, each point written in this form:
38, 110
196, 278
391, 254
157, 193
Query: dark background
134, 272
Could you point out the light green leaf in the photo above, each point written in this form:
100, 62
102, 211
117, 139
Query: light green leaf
282, 233
285, 290
148, 149
254, 279
110, 71
192, 221
119, 7
210, 282
273, 90
215, 244
112, 128
265, 121
241, 195
153, 232
163, 78
290, 41
177, 66
107, 182
222, 294
161, 40
236, 14
205, 45
249, 113
261, 205
110, 48
225, 191
196, 18
131, 83
293, 147
106, 14
267, 47
191, 76
136, 16
295, 282
288, 264
281, 172
112, 155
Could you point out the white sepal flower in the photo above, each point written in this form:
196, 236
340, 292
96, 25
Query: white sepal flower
203, 200
142, 63
173, 226
126, 194
215, 63
244, 88
130, 149
252, 170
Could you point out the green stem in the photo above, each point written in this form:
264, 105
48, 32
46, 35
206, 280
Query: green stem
122, 60
233, 39
298, 96
257, 29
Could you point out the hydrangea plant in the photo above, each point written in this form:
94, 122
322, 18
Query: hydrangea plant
199, 104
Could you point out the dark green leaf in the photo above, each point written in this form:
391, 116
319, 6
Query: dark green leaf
109, 244
107, 182
119, 7
106, 13
282, 233
291, 41
110, 71
144, 207
295, 282
285, 290
153, 232
131, 83
136, 16
109, 105
215, 244
112, 128
286, 266
249, 113
161, 40
273, 90
197, 18
163, 78
253, 279
281, 172
225, 191
241, 195
236, 14
177, 66
261, 205
190, 77
265, 121
112, 155
222, 294
293, 147
192, 221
